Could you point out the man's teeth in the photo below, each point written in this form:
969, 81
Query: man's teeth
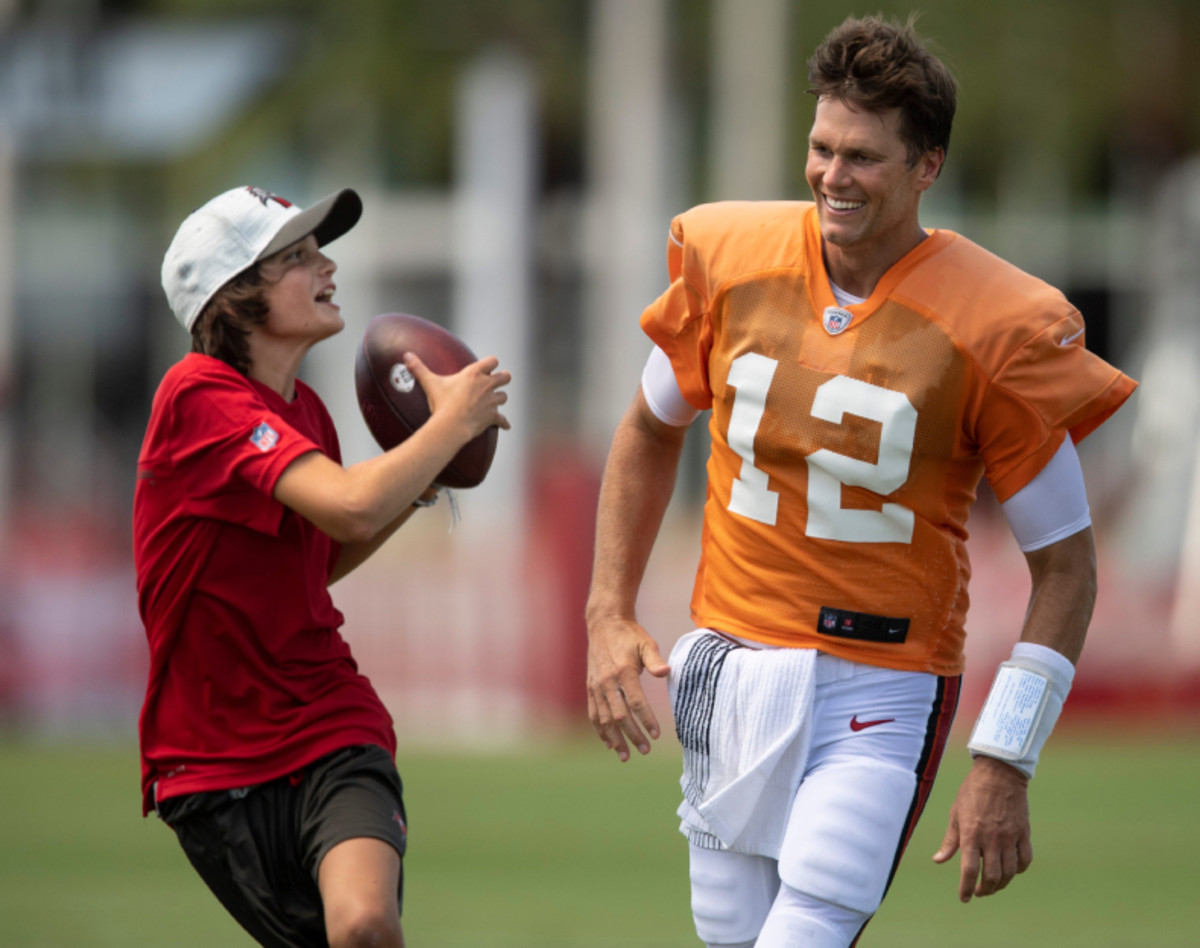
843, 205
325, 296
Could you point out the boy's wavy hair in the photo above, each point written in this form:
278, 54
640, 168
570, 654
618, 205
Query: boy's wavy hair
224, 325
874, 64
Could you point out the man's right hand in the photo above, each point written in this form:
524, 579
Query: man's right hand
618, 651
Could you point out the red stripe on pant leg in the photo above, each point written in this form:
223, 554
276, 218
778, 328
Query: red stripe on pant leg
937, 733
941, 719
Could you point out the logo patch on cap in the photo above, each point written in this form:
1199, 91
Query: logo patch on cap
836, 319
264, 437
265, 196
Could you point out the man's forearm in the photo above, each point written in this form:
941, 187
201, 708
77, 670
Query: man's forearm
639, 479
1063, 594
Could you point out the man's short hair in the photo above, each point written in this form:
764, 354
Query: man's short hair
223, 327
875, 64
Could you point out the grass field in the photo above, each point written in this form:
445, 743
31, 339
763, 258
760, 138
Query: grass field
563, 847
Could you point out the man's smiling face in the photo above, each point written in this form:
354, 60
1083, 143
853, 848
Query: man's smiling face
864, 186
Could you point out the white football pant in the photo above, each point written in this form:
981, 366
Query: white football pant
877, 742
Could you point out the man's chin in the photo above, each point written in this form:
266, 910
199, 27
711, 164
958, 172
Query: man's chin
838, 236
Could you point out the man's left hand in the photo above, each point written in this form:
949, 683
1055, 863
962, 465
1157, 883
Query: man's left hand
989, 822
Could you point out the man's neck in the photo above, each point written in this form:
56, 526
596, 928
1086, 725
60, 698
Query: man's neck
857, 270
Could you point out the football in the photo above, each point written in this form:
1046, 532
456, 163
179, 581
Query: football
393, 404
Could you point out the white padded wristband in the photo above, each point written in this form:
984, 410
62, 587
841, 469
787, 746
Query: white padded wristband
1022, 707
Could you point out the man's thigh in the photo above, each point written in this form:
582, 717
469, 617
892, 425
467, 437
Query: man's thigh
878, 737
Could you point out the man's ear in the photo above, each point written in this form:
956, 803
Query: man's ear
930, 166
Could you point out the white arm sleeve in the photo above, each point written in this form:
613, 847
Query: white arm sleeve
662, 392
1052, 506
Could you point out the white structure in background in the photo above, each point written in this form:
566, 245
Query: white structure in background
8, 379
629, 205
89, 94
750, 41
138, 92
495, 159
441, 625
480, 237
1164, 526
141, 91
8, 163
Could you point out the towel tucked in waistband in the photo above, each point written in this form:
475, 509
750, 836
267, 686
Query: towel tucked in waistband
744, 718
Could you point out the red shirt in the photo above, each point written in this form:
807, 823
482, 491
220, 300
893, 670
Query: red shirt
249, 677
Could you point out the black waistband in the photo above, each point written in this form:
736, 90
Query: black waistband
844, 624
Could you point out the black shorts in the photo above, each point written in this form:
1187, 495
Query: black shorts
258, 848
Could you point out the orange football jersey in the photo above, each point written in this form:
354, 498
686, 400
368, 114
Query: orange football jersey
847, 443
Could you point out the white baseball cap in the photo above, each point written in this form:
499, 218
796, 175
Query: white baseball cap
234, 231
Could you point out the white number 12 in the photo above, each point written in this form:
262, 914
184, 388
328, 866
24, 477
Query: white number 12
828, 471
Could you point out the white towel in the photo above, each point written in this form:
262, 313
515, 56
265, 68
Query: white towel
744, 718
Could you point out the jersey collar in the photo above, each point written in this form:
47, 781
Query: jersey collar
821, 295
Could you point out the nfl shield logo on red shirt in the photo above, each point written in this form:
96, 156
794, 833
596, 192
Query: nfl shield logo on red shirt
264, 437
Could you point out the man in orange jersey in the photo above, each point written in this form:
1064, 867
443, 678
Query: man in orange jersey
862, 375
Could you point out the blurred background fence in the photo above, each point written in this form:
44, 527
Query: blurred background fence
520, 163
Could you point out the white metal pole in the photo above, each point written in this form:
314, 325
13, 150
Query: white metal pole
495, 168
750, 119
629, 209
8, 368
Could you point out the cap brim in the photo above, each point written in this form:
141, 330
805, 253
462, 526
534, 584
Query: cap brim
326, 220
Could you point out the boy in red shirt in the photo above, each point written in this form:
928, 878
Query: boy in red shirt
262, 746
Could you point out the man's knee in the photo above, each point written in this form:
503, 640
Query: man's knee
731, 895
798, 919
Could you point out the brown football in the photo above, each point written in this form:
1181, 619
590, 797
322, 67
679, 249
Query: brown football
392, 403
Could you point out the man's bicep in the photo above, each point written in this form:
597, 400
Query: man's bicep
1052, 506
662, 393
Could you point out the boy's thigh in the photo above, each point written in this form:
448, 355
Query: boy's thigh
259, 850
248, 856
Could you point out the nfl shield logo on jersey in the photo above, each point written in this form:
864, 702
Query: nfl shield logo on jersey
836, 319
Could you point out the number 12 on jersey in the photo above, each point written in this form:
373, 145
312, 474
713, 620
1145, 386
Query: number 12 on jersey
751, 374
